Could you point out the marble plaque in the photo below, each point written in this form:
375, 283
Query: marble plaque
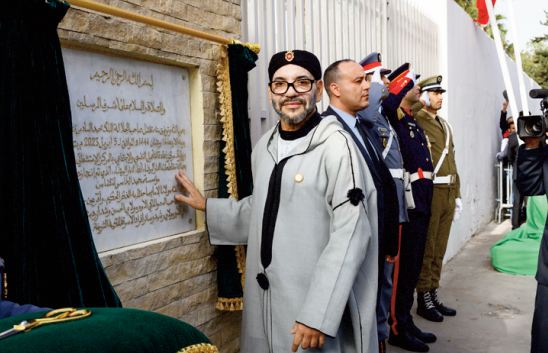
132, 131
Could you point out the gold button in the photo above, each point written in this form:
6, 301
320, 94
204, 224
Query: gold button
299, 178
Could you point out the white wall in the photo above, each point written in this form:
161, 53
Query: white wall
435, 36
474, 96
333, 30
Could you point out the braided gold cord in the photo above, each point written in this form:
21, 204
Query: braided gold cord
200, 348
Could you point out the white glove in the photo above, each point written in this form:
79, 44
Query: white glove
458, 209
425, 98
377, 76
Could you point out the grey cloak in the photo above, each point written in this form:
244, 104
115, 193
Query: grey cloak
323, 269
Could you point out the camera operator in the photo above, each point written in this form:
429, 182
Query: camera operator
532, 179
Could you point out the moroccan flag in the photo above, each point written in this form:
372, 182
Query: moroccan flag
483, 15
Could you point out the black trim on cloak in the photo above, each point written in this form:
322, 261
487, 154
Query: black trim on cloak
270, 215
272, 204
311, 123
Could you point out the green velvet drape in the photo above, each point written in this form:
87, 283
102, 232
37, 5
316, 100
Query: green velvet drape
241, 60
45, 237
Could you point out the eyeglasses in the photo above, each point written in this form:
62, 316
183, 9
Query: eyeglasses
302, 85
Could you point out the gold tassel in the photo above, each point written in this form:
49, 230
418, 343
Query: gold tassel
200, 348
229, 304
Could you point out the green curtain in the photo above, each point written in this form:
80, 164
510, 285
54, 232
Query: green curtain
45, 239
517, 253
241, 60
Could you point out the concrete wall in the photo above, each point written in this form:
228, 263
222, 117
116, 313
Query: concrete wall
176, 275
474, 84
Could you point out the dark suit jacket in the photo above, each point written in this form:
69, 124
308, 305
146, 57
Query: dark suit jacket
532, 179
8, 309
512, 154
387, 199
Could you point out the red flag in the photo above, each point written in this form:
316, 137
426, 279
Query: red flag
483, 15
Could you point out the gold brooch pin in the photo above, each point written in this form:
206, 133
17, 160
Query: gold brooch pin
289, 55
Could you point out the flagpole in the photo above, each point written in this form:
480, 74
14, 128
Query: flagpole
517, 53
502, 60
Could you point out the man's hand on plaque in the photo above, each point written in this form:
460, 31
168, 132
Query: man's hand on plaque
190, 195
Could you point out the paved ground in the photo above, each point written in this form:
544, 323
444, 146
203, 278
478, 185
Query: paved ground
495, 310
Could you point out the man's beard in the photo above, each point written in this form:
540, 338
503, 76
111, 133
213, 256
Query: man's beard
309, 108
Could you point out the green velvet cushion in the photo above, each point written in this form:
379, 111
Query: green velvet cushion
106, 330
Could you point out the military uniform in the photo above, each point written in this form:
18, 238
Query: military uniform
418, 163
446, 191
379, 127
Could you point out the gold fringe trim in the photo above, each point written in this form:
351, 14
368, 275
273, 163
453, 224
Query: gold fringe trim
240, 261
225, 102
254, 47
200, 348
229, 304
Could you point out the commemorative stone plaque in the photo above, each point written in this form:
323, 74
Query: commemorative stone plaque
131, 132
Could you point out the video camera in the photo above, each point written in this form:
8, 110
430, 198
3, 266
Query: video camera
535, 125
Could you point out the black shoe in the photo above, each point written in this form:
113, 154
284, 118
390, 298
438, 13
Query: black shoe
444, 310
426, 337
426, 308
408, 342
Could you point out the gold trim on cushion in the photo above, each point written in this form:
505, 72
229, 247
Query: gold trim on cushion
200, 348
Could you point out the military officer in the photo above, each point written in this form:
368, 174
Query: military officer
376, 122
446, 201
418, 165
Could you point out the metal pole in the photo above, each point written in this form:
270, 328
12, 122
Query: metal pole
517, 53
502, 59
111, 10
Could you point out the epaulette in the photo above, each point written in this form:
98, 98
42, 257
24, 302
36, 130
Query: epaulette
401, 114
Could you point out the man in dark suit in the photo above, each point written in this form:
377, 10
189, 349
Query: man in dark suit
532, 179
346, 100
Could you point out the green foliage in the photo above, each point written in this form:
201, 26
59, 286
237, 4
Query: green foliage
535, 58
470, 7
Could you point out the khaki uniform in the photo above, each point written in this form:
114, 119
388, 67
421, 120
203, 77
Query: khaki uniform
443, 200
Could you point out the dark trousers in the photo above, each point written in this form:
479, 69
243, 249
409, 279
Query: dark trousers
539, 332
517, 204
413, 242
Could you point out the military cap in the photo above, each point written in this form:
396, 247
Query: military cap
431, 84
373, 61
300, 58
398, 71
